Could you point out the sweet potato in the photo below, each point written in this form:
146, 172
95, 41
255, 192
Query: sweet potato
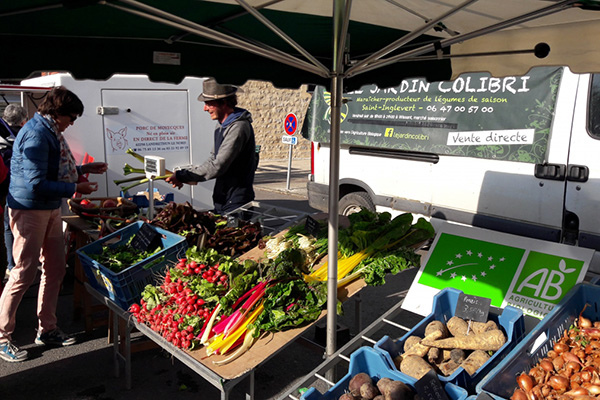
382, 384
487, 341
475, 361
415, 366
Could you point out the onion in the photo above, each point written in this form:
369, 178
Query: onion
568, 356
558, 382
592, 389
580, 391
585, 322
525, 382
547, 365
519, 395
560, 347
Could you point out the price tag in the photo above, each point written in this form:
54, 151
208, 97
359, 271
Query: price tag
472, 308
146, 239
429, 387
312, 226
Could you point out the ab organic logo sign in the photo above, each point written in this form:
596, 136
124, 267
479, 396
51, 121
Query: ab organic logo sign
508, 275
542, 282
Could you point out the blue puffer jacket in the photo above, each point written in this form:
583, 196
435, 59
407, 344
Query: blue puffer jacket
34, 181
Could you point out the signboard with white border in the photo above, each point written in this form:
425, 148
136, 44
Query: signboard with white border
293, 140
526, 273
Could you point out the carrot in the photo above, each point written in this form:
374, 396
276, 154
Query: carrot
487, 341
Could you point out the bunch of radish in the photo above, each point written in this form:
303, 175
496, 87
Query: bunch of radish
173, 309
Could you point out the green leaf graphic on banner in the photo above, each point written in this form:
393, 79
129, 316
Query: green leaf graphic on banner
474, 266
547, 277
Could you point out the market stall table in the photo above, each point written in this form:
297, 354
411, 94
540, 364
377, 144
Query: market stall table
223, 377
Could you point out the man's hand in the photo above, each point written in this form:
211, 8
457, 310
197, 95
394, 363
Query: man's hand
173, 181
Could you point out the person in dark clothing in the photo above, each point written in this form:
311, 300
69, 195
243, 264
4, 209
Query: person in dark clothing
233, 160
13, 118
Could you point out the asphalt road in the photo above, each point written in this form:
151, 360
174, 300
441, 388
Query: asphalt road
85, 371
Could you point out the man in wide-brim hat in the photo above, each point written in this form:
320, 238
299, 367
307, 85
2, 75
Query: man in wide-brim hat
233, 159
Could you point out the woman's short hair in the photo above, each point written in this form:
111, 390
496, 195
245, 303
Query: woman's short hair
14, 115
61, 101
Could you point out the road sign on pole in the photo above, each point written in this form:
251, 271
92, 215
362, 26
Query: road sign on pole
290, 124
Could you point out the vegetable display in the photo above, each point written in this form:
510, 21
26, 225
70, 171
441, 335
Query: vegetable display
570, 370
446, 347
121, 257
205, 229
215, 300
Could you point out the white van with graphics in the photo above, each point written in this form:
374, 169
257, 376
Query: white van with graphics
518, 154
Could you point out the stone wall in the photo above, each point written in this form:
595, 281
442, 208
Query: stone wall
269, 107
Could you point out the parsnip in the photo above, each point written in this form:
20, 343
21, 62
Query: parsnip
487, 341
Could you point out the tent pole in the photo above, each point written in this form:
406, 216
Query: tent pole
333, 217
341, 13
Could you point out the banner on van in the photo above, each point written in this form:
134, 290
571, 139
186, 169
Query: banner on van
476, 115
529, 274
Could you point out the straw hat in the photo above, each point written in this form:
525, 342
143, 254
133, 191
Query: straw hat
211, 90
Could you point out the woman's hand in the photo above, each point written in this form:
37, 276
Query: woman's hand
86, 187
94, 168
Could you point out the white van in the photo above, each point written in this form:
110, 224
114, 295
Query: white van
152, 118
518, 154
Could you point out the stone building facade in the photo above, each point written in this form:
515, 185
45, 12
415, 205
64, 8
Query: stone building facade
269, 107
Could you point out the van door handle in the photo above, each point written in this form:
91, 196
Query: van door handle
555, 172
578, 173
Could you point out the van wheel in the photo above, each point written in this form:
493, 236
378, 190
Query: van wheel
354, 202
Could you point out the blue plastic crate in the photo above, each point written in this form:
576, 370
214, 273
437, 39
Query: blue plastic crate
444, 304
501, 381
372, 362
142, 201
125, 287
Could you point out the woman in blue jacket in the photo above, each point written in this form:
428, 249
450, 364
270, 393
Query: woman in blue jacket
43, 172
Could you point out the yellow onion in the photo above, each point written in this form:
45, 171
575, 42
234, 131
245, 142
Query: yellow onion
561, 347
519, 395
558, 382
525, 382
591, 388
547, 365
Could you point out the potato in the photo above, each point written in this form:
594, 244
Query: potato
382, 384
347, 396
397, 390
357, 381
415, 366
368, 391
